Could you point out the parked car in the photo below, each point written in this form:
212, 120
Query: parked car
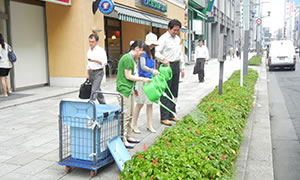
282, 54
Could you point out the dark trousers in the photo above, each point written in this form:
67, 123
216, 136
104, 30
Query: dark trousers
201, 63
173, 85
96, 79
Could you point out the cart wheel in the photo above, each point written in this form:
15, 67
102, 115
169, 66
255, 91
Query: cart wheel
68, 169
93, 173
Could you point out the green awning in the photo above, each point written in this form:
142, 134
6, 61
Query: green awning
200, 15
158, 21
130, 15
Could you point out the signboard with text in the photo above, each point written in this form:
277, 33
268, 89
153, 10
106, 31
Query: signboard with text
62, 2
154, 5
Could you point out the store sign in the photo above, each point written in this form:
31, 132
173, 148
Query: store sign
63, 2
106, 6
154, 5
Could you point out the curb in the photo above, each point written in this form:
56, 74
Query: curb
255, 160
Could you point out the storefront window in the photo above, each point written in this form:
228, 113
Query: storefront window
113, 44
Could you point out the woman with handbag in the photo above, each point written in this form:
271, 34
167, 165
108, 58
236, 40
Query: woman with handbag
5, 66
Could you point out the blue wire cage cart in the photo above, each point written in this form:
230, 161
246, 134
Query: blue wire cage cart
85, 128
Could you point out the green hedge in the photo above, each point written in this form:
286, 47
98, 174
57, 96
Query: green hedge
205, 144
255, 61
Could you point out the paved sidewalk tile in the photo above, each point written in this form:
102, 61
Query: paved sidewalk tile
34, 167
24, 158
6, 168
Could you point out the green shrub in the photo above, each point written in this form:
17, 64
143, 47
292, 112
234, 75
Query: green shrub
205, 144
255, 61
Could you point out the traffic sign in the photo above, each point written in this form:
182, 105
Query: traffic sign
258, 21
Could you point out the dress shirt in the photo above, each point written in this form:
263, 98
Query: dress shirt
201, 52
97, 53
170, 48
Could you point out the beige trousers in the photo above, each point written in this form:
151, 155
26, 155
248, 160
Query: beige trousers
128, 105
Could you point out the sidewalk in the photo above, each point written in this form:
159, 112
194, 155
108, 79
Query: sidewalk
29, 130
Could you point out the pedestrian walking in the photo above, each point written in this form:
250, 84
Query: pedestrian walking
147, 70
201, 57
96, 62
126, 77
231, 52
169, 52
5, 66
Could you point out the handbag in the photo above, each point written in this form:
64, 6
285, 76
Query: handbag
11, 55
85, 90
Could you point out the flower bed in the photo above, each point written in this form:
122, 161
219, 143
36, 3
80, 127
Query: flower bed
205, 144
255, 61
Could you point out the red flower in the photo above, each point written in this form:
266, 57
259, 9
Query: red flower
206, 158
210, 127
198, 132
155, 162
169, 145
185, 140
222, 101
191, 129
171, 133
138, 157
145, 148
229, 106
166, 139
223, 157
151, 178
180, 148
212, 158
209, 108
211, 99
209, 118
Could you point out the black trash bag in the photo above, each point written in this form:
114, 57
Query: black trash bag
85, 90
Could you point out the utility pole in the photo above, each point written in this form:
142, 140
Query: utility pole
246, 20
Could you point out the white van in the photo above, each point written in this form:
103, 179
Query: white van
282, 54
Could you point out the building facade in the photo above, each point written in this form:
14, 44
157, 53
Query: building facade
197, 26
221, 21
50, 37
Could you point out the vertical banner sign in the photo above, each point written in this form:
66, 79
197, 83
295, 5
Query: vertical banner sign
62, 2
186, 13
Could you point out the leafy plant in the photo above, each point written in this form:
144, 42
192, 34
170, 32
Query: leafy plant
205, 144
255, 61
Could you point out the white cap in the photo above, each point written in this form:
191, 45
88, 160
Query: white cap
151, 39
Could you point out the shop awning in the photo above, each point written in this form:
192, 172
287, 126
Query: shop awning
200, 15
140, 17
158, 22
130, 15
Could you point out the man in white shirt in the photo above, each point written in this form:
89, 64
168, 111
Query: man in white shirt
201, 56
169, 51
96, 62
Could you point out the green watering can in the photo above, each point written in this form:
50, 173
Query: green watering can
156, 88
166, 71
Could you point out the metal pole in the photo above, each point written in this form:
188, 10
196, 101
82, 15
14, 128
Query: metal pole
246, 19
221, 77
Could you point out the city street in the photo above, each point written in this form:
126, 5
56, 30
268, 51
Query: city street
29, 132
284, 98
